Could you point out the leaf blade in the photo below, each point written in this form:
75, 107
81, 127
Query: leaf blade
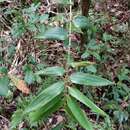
79, 114
4, 86
82, 98
16, 118
89, 79
45, 110
45, 96
56, 70
56, 33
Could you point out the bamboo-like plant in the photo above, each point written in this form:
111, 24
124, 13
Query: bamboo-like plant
64, 93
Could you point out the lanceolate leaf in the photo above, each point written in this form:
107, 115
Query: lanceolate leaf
45, 110
57, 71
82, 98
89, 79
46, 96
4, 86
56, 33
79, 114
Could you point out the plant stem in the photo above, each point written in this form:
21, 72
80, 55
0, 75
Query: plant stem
70, 40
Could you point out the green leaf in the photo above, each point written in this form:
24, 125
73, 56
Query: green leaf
4, 86
79, 114
82, 98
18, 29
45, 110
91, 69
57, 71
69, 113
81, 22
89, 79
56, 33
58, 127
3, 70
16, 118
86, 54
81, 64
121, 116
45, 96
107, 37
29, 77
41, 28
43, 18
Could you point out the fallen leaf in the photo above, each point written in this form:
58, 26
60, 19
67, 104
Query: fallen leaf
5, 127
0, 75
20, 84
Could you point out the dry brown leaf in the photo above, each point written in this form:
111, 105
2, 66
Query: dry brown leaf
0, 75
20, 84
5, 127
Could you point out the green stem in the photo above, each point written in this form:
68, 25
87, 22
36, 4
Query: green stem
70, 32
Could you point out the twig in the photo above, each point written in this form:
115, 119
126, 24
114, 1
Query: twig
4, 118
